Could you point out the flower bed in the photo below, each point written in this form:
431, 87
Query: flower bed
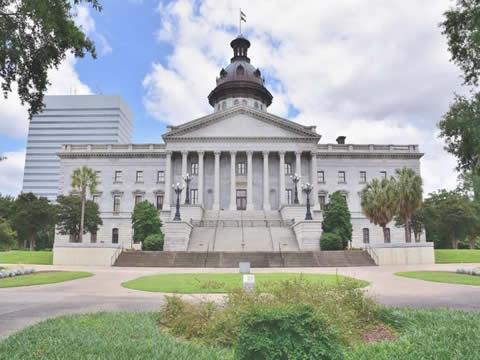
6, 273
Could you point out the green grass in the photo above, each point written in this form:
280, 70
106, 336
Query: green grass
448, 277
41, 278
116, 336
26, 257
218, 283
423, 334
452, 256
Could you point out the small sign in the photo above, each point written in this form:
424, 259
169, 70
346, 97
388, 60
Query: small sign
248, 281
244, 267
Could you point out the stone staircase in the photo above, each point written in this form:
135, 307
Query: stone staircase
232, 259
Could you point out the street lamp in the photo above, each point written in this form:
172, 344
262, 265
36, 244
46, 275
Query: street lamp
295, 178
307, 189
187, 178
178, 190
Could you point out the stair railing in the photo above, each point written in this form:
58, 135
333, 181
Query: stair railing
281, 254
206, 257
215, 233
268, 225
371, 251
115, 255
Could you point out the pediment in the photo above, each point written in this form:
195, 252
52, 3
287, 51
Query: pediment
241, 122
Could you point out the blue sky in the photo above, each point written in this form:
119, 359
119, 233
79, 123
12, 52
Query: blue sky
375, 71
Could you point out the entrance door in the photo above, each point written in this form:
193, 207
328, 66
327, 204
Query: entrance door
241, 199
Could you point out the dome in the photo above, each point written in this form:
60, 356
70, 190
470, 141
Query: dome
240, 79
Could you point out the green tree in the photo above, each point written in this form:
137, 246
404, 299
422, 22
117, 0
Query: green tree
8, 236
145, 221
36, 35
84, 179
6, 206
337, 217
69, 214
30, 215
379, 202
409, 192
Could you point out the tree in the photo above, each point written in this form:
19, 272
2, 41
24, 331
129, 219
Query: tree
30, 215
36, 36
69, 213
8, 236
145, 221
337, 218
379, 202
409, 194
6, 206
84, 179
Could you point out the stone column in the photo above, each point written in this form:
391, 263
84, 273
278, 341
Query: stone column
200, 177
249, 181
168, 181
282, 177
216, 187
233, 180
266, 182
298, 171
314, 181
184, 172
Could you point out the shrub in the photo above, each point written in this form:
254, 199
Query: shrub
474, 272
145, 221
337, 218
292, 332
5, 273
331, 241
153, 242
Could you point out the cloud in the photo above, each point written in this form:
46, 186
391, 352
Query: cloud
375, 71
85, 21
11, 172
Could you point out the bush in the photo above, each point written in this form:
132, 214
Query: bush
331, 241
145, 221
337, 218
153, 242
8, 236
5, 273
291, 332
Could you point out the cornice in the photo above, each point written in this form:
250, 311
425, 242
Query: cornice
369, 155
239, 139
123, 154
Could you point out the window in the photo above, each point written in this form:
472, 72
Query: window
321, 201
341, 177
255, 105
93, 237
363, 177
95, 199
194, 196
116, 203
241, 168
244, 102
74, 238
240, 70
288, 168
118, 176
289, 196
387, 235
138, 198
194, 168
159, 202
98, 175
139, 177
224, 105
236, 102
160, 176
321, 176
114, 236
383, 174
366, 235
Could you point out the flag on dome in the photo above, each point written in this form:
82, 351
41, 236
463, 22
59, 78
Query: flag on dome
243, 17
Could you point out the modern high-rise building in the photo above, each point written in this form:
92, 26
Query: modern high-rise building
71, 119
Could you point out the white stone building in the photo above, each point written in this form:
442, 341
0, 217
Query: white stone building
241, 197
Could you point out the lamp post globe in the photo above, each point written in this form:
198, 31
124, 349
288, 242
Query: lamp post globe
295, 179
187, 178
178, 188
307, 189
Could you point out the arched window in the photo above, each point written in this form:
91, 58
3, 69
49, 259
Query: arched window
115, 236
236, 102
244, 102
224, 105
240, 70
366, 235
255, 105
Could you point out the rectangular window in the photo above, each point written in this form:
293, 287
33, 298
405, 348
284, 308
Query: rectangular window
98, 175
160, 176
288, 168
321, 176
194, 196
138, 199
383, 174
139, 177
159, 202
118, 176
74, 238
321, 201
194, 168
289, 196
93, 237
366, 236
387, 235
116, 204
363, 177
241, 168
341, 177
95, 199
114, 236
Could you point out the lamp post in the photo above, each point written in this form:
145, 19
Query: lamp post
307, 189
178, 190
295, 178
187, 178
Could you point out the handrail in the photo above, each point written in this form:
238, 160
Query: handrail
370, 250
206, 256
115, 255
242, 223
267, 224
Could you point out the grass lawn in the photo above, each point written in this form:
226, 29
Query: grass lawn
42, 277
219, 283
442, 277
26, 257
448, 256
423, 334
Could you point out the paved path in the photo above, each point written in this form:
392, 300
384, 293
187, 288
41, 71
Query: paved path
23, 306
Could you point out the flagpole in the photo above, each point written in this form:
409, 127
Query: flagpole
240, 21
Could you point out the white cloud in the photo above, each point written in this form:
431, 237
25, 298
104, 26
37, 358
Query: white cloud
84, 20
11, 172
375, 71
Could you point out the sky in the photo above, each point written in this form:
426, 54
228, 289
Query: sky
375, 71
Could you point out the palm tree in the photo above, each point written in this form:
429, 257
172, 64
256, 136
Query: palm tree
84, 179
409, 192
379, 202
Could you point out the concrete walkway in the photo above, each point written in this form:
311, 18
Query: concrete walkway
23, 306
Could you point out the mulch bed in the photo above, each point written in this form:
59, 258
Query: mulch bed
377, 334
